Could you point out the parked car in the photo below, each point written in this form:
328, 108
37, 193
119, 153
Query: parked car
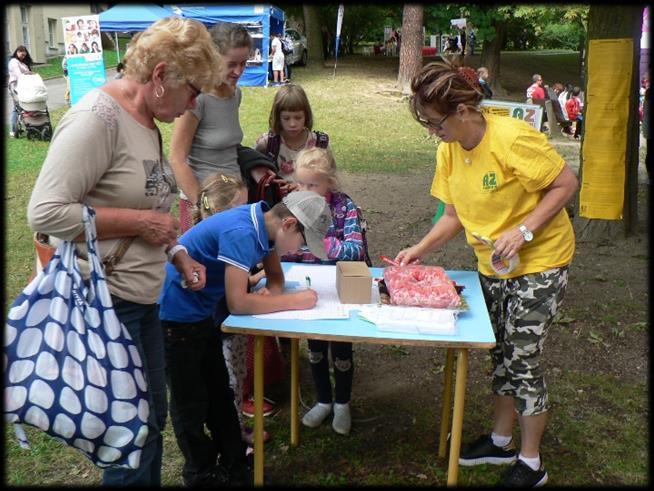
299, 55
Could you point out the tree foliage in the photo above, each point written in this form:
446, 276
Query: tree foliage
361, 23
545, 26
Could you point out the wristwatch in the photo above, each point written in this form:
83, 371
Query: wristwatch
526, 233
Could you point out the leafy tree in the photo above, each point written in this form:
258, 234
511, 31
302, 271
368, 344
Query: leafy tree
500, 27
361, 22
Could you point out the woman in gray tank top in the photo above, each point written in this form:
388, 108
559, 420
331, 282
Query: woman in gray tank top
205, 139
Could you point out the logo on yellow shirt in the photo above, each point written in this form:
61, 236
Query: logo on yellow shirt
489, 182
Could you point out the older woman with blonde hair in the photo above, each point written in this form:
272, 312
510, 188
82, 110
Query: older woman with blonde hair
501, 179
106, 152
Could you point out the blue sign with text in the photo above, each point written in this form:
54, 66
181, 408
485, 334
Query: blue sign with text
85, 72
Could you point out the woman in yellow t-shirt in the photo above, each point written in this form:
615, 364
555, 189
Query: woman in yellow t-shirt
500, 179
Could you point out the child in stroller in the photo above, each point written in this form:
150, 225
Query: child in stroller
30, 101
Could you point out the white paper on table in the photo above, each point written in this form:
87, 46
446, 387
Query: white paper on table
419, 320
323, 281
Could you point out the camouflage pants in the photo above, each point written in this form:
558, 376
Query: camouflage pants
521, 311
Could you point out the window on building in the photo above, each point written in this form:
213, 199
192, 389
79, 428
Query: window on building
24, 20
52, 32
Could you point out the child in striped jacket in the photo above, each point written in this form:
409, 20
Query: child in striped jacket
345, 241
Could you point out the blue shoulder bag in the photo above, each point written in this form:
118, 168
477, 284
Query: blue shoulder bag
71, 367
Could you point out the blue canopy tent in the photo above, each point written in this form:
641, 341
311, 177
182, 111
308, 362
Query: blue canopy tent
261, 20
130, 18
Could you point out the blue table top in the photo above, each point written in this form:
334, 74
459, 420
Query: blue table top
474, 327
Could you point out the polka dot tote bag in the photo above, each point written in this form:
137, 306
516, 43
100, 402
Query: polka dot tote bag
70, 366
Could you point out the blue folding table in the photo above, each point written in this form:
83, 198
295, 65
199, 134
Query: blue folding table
474, 330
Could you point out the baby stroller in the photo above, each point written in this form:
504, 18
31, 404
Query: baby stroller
30, 101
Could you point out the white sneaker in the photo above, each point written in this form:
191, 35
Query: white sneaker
342, 419
316, 415
12, 134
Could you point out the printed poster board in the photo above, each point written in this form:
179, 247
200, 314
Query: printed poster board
84, 54
531, 113
604, 148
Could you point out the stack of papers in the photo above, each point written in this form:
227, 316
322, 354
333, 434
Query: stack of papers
322, 280
416, 320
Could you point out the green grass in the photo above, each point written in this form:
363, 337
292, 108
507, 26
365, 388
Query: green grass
372, 131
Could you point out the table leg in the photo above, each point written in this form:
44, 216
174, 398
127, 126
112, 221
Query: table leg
295, 386
258, 410
447, 402
457, 418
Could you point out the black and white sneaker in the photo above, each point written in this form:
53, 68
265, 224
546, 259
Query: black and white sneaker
484, 451
520, 475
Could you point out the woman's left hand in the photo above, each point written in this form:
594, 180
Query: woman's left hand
509, 243
193, 273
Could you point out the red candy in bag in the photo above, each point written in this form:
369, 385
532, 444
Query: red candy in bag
421, 286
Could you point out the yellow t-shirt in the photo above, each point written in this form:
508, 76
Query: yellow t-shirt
497, 184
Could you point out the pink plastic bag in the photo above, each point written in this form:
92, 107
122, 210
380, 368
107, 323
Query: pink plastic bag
421, 286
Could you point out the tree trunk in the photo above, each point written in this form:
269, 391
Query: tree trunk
410, 46
616, 22
490, 57
313, 34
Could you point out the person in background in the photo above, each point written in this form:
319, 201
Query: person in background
316, 171
290, 131
207, 138
228, 244
106, 152
277, 59
287, 48
120, 71
20, 62
325, 37
564, 95
573, 109
535, 90
501, 167
64, 69
482, 73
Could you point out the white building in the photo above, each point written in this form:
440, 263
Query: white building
38, 27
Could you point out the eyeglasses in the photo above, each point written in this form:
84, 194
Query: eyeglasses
435, 126
300, 229
195, 91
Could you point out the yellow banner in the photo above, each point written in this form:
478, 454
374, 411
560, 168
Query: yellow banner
610, 65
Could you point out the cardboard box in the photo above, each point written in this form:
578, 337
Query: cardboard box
353, 282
